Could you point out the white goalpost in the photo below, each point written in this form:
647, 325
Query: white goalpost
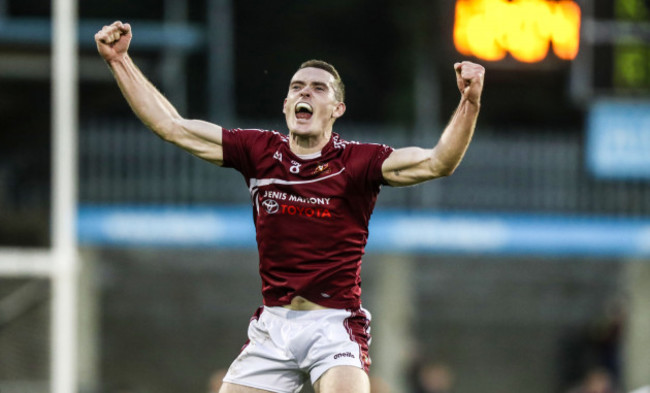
59, 263
64, 197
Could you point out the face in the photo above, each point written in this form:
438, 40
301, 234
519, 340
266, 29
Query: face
311, 108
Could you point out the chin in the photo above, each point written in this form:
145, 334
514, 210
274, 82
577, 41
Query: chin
302, 129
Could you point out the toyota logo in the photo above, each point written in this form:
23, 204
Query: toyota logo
271, 206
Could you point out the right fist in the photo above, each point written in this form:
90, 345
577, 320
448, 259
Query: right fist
113, 41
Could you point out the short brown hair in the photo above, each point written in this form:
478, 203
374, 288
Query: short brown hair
339, 87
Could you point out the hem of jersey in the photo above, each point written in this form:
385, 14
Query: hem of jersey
337, 306
256, 386
284, 312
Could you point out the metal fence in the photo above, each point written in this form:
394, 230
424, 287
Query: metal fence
121, 162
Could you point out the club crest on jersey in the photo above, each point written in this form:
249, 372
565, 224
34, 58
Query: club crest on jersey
271, 206
295, 167
278, 156
322, 167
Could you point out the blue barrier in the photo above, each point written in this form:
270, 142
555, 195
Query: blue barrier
390, 231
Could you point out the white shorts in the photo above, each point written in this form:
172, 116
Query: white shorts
285, 347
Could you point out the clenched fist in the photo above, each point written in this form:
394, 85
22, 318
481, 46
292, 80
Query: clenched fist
113, 41
469, 78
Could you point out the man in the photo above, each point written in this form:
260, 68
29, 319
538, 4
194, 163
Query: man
313, 194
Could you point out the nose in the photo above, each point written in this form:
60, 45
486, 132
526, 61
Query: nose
305, 92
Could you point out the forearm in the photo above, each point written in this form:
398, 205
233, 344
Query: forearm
151, 107
413, 165
203, 139
410, 166
455, 139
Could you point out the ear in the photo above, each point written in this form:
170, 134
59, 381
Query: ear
339, 110
284, 106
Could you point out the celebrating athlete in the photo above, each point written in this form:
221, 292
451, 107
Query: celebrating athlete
312, 194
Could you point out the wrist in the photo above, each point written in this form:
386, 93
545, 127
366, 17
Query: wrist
117, 59
472, 103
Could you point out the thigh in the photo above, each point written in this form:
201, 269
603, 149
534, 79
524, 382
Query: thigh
343, 379
340, 339
234, 388
265, 364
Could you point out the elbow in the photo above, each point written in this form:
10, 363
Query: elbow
442, 168
168, 130
446, 171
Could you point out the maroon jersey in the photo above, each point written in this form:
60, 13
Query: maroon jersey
311, 214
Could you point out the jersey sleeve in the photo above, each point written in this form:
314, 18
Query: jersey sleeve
368, 166
238, 147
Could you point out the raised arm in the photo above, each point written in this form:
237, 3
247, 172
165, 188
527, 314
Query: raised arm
200, 138
413, 165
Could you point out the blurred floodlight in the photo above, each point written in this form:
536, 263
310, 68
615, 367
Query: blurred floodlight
488, 29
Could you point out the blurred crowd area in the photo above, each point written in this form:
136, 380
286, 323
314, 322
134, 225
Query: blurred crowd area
171, 320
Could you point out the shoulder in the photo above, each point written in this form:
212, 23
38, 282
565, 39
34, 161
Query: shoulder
343, 144
362, 149
255, 132
244, 149
364, 159
254, 135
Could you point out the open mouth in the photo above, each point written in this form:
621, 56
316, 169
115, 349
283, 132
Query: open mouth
304, 111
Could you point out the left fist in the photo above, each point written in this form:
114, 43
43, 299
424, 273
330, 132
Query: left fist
469, 78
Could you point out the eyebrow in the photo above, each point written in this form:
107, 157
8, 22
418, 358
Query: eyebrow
315, 83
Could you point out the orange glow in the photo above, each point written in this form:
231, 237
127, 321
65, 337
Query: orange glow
488, 29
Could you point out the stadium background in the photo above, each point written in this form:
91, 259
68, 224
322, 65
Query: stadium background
160, 311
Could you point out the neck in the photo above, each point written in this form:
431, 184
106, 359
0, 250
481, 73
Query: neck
308, 144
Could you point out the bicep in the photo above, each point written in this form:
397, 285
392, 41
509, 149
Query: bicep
409, 166
200, 138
